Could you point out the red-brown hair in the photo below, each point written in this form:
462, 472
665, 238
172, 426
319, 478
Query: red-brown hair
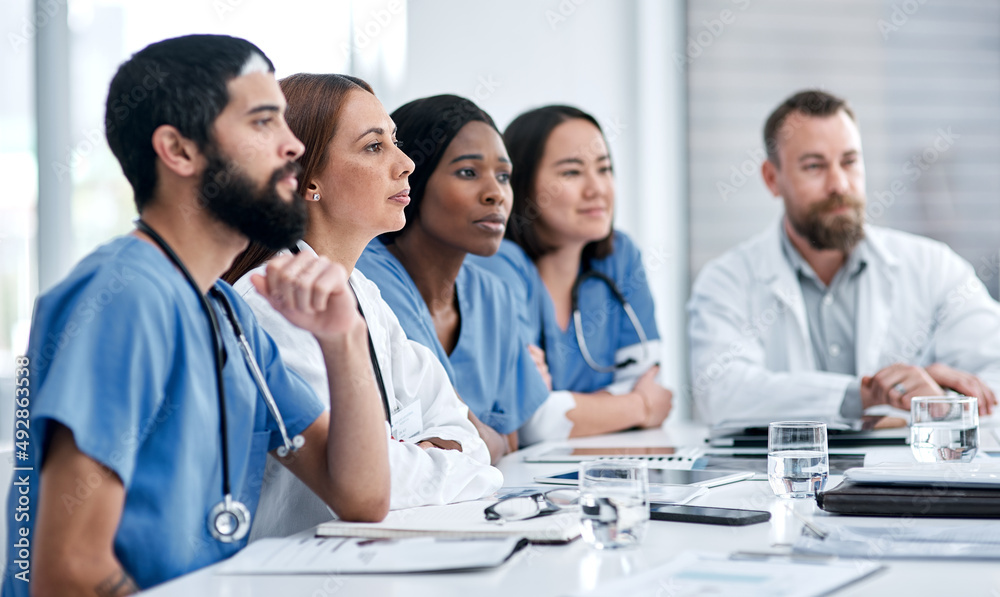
314, 104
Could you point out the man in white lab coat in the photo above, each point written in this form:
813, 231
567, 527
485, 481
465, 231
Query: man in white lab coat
824, 316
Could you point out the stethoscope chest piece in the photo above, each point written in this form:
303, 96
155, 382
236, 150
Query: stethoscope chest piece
297, 442
229, 520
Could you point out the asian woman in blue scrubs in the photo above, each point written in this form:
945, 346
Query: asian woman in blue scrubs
460, 199
560, 232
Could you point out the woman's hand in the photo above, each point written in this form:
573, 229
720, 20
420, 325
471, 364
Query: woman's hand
656, 398
538, 355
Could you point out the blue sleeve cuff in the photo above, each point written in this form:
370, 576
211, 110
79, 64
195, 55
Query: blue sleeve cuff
850, 408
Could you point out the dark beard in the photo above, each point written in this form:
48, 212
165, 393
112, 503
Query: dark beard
260, 214
842, 232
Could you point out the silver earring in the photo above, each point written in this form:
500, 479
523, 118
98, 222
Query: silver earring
315, 196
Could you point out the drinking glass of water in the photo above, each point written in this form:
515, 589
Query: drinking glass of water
797, 458
614, 502
944, 428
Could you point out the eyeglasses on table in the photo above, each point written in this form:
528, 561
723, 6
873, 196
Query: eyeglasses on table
524, 507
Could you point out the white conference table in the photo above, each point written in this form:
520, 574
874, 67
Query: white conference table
567, 569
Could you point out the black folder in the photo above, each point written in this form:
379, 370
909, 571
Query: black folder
938, 500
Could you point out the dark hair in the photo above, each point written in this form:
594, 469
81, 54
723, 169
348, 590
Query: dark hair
811, 102
181, 82
314, 104
526, 138
425, 127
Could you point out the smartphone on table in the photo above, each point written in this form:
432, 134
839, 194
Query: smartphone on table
706, 515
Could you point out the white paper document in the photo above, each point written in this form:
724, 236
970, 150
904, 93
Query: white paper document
318, 555
978, 473
694, 574
980, 541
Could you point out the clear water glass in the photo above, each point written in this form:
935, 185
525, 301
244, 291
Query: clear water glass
614, 502
944, 428
798, 461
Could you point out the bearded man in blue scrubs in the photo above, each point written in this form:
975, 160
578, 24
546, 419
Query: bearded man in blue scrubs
132, 444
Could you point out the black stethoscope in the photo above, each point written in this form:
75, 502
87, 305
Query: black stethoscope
228, 520
588, 274
371, 355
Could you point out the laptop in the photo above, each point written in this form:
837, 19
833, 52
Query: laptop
683, 458
662, 476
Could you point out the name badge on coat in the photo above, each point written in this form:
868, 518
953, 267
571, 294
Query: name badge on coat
408, 422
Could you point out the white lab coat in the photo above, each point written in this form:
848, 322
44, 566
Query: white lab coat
751, 356
410, 373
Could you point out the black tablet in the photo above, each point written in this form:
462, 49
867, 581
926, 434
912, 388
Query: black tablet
706, 515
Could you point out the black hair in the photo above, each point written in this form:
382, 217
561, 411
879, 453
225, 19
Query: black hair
525, 138
426, 127
811, 102
180, 82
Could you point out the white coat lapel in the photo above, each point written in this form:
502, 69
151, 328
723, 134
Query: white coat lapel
774, 272
875, 298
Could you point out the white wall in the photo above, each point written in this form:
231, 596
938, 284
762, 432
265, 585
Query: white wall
923, 79
612, 59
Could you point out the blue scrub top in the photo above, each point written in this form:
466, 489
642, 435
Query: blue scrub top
121, 354
606, 327
490, 367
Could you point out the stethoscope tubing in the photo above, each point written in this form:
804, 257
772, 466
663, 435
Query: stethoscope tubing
290, 445
629, 312
228, 520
